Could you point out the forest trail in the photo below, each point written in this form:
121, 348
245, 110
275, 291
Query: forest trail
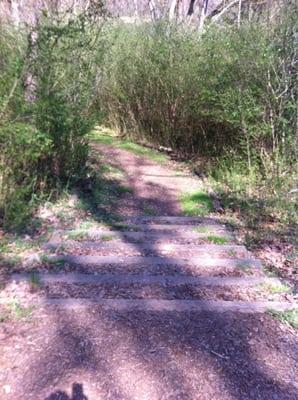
154, 305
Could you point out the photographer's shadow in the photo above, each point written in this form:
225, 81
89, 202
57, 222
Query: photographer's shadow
77, 393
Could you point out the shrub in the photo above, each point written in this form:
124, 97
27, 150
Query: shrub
228, 92
49, 78
23, 150
66, 69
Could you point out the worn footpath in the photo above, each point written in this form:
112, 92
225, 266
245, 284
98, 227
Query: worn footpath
152, 305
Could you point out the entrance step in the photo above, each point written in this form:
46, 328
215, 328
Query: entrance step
153, 305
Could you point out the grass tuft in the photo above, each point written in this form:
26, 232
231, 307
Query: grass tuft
19, 312
107, 238
276, 288
217, 239
287, 317
127, 145
196, 203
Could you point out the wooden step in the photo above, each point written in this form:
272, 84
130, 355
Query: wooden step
126, 279
176, 220
152, 305
206, 228
151, 248
147, 236
85, 260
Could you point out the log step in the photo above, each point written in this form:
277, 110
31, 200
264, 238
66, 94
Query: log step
82, 261
151, 248
149, 236
161, 220
125, 279
152, 305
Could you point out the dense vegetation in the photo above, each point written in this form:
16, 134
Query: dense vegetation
227, 95
47, 106
224, 95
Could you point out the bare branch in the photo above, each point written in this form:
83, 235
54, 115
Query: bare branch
223, 11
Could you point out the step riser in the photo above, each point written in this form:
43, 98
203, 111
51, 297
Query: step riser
153, 248
183, 229
171, 220
147, 237
71, 278
102, 261
171, 305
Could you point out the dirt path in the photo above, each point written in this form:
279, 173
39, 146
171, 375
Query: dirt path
146, 308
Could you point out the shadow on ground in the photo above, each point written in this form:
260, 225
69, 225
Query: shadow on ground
77, 393
163, 355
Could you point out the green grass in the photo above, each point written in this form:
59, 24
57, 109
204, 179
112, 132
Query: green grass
217, 239
104, 139
10, 260
142, 151
45, 259
201, 229
107, 238
196, 203
288, 317
127, 145
276, 288
124, 190
19, 312
77, 235
107, 168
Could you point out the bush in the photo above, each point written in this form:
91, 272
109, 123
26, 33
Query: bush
228, 92
66, 63
23, 151
49, 79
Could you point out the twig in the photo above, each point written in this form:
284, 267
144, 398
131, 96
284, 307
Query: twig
219, 355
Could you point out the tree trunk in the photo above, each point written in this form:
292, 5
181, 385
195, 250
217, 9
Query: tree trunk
203, 15
152, 7
191, 7
239, 14
135, 2
172, 9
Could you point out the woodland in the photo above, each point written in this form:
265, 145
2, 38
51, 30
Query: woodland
214, 81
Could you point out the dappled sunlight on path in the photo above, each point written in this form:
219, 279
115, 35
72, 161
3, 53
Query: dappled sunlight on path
134, 351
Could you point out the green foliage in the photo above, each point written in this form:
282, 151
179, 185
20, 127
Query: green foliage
66, 65
210, 94
20, 312
23, 151
276, 288
129, 146
217, 239
48, 103
227, 94
288, 317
